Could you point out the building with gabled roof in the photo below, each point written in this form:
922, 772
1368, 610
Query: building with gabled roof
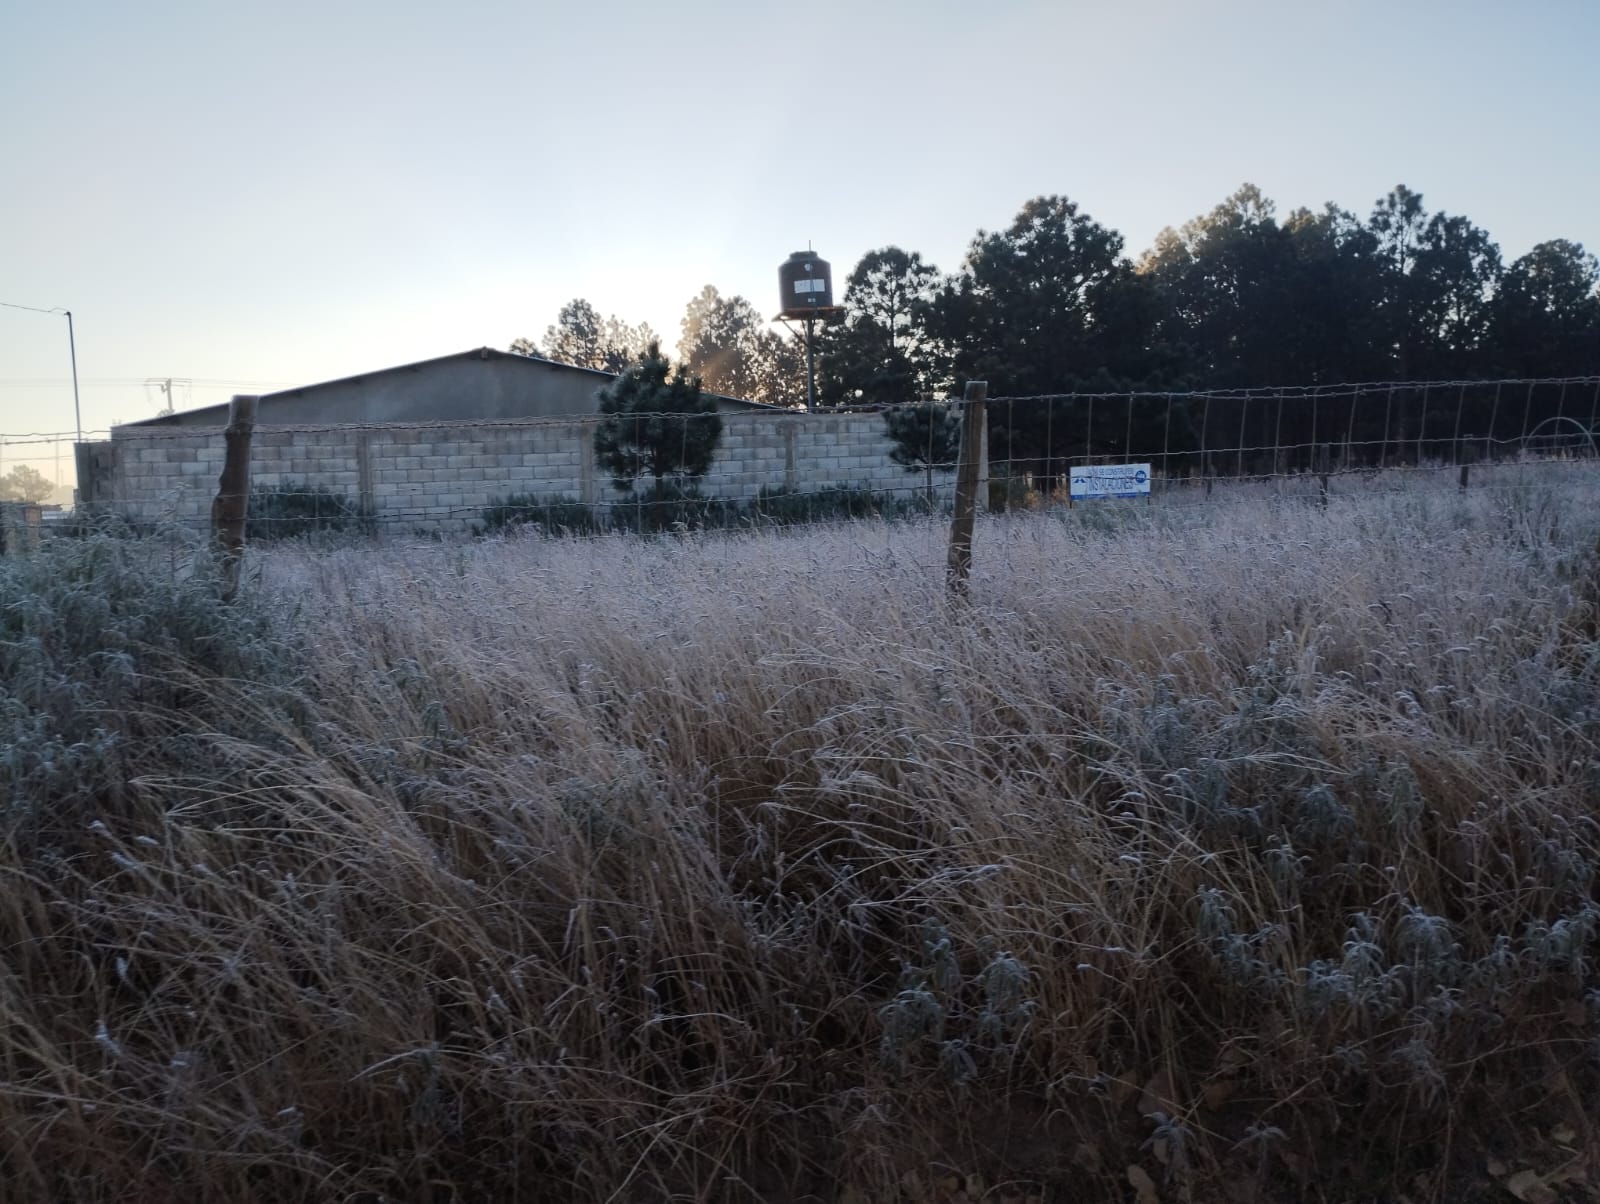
482, 385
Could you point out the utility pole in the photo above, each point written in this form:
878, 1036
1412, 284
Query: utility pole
165, 385
72, 346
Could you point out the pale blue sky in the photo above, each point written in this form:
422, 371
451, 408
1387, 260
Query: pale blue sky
282, 193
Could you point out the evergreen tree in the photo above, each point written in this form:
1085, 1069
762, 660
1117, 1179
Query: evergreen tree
657, 424
1335, 289
1457, 268
926, 436
582, 337
727, 344
1226, 291
1045, 306
1399, 223
880, 351
1049, 305
1545, 317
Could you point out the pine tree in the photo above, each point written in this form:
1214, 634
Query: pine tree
926, 436
657, 424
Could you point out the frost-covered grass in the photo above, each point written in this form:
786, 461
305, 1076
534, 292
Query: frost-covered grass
1246, 841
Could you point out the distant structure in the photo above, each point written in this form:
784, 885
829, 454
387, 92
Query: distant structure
805, 294
19, 527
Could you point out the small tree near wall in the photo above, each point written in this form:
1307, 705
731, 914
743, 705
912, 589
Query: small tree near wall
657, 425
926, 436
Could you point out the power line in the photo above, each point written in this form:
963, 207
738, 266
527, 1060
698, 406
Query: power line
35, 382
33, 308
36, 440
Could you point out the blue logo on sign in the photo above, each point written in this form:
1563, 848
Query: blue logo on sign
1141, 476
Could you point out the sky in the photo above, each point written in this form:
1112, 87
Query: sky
247, 196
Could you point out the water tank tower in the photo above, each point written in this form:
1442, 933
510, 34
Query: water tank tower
805, 287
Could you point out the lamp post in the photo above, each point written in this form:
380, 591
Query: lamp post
72, 346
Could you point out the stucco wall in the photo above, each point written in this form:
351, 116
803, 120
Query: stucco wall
433, 476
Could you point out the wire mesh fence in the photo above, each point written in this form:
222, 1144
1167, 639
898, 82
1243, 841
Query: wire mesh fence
1285, 433
770, 471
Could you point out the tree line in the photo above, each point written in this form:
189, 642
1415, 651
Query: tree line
1236, 298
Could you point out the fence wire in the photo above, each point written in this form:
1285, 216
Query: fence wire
898, 462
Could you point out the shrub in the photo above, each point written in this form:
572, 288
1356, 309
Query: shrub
102, 640
293, 509
674, 508
785, 507
555, 516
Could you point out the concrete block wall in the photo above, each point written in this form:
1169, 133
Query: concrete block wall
152, 478
805, 453
431, 477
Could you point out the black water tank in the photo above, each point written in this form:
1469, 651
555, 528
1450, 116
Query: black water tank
805, 285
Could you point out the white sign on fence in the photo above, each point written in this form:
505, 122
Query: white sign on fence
1110, 480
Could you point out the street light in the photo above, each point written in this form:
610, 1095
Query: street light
72, 346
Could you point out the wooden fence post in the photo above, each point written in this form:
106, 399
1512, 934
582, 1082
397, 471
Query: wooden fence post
974, 420
229, 507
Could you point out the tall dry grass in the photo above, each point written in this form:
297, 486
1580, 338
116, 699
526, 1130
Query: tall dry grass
1250, 844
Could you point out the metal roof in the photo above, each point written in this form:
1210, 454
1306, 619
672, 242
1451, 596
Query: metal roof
478, 353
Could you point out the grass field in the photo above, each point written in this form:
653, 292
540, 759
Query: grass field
1233, 851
